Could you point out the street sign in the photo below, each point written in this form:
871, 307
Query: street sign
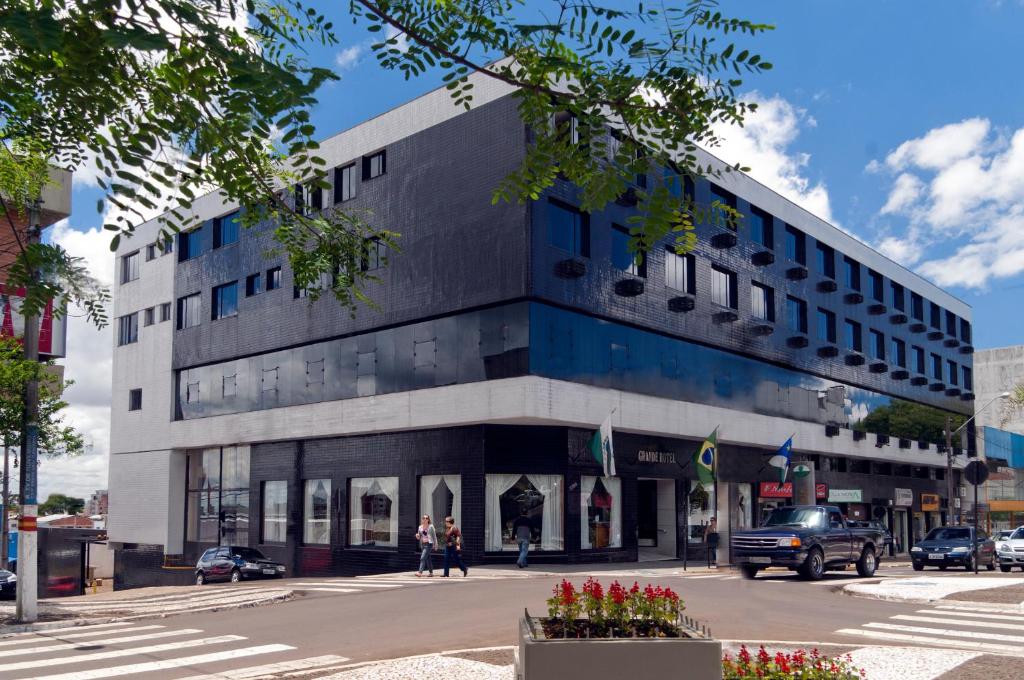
801, 470
976, 472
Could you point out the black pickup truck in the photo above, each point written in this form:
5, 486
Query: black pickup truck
808, 539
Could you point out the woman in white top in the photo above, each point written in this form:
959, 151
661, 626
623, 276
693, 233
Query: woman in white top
427, 538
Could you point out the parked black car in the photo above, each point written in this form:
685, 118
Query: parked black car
808, 539
8, 585
234, 563
946, 547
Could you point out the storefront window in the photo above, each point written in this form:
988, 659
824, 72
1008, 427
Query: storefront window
740, 506
217, 506
373, 511
275, 511
316, 517
600, 512
440, 496
702, 504
539, 496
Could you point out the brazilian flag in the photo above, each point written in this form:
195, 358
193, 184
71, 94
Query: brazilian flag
704, 458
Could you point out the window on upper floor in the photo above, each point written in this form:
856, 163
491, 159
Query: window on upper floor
898, 296
225, 229
568, 229
165, 311
375, 256
309, 199
253, 284
273, 278
796, 245
899, 353
876, 286
225, 300
130, 267
936, 366
723, 287
568, 125
826, 260
128, 329
190, 244
135, 399
968, 378
761, 228
345, 183
189, 308
918, 357
935, 315
622, 256
851, 273
679, 185
952, 371
721, 199
374, 165
916, 306
762, 301
877, 344
796, 314
826, 325
853, 335
149, 316
150, 252
680, 273
951, 324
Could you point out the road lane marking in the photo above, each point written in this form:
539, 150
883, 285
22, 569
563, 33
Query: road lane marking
990, 610
332, 590
158, 598
972, 614
109, 641
947, 632
179, 601
1006, 650
44, 636
55, 631
113, 654
271, 670
976, 624
345, 584
168, 664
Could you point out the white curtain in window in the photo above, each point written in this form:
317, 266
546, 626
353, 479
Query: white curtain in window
614, 487
358, 523
551, 526
586, 489
454, 483
389, 487
428, 485
496, 485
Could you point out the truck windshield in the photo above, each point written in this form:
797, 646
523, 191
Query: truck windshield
804, 517
1017, 535
948, 534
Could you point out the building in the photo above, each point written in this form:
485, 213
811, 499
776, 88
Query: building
97, 503
505, 334
1001, 434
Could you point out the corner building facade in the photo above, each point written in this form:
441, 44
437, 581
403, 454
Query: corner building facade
504, 335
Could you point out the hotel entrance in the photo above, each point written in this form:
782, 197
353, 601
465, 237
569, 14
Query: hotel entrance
656, 519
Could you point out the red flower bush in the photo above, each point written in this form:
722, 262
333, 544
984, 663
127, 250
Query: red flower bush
617, 611
798, 665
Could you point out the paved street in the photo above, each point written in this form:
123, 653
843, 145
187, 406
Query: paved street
337, 622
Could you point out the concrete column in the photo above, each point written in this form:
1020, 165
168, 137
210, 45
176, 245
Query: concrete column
803, 487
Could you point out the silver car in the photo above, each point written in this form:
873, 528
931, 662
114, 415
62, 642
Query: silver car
1010, 551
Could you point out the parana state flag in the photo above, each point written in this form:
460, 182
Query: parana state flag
704, 459
781, 459
601, 447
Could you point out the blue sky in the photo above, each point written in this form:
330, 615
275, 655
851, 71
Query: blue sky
894, 120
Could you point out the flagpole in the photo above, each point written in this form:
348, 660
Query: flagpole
714, 480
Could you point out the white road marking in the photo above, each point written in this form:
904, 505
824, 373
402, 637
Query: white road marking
113, 654
978, 615
70, 629
167, 664
213, 592
990, 610
946, 632
149, 604
332, 590
45, 635
270, 670
993, 648
975, 624
109, 641
190, 605
346, 584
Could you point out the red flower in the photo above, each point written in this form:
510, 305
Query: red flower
744, 655
762, 656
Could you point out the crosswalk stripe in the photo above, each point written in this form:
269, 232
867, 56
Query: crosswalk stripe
43, 635
946, 632
113, 654
1011, 650
168, 664
988, 610
69, 629
270, 670
695, 578
213, 592
187, 604
975, 624
346, 584
318, 589
109, 641
979, 615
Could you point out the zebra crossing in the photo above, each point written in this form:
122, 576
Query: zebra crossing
368, 584
988, 630
119, 649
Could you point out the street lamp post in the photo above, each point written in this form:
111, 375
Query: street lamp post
950, 432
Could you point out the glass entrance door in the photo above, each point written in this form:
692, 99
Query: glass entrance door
647, 513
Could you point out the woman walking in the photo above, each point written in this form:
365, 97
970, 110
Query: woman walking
427, 537
453, 547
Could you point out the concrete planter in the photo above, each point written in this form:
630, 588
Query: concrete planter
537, 658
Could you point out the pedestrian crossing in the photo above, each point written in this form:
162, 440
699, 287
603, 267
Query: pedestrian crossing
369, 584
115, 650
191, 600
991, 631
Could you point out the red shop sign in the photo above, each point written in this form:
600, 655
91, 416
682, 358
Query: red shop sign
776, 490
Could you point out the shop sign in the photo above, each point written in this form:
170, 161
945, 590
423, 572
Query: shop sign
653, 456
930, 502
845, 496
904, 497
776, 490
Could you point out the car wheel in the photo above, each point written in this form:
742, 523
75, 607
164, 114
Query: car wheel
943, 567
200, 578
991, 566
969, 563
236, 576
918, 567
867, 563
813, 568
749, 570
1005, 568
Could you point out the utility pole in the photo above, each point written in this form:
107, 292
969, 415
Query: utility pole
26, 606
949, 471
5, 495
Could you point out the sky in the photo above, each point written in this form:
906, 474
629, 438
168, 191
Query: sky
902, 122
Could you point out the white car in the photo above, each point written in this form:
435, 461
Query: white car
1010, 551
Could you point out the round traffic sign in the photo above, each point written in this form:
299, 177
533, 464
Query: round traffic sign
976, 472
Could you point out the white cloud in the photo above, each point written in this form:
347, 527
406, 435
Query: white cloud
401, 39
903, 250
349, 57
941, 146
904, 192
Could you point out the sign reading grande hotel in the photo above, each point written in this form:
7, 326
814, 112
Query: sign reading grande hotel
654, 456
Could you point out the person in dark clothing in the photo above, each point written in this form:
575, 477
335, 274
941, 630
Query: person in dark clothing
453, 547
711, 538
521, 530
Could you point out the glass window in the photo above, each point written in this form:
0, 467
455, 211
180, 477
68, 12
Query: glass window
762, 301
345, 183
877, 345
851, 271
826, 260
898, 297
218, 495
190, 244
225, 229
374, 165
761, 231
135, 400
375, 256
225, 300
229, 386
274, 278
535, 497
600, 512
935, 315
936, 366
917, 306
918, 356
852, 331
128, 329
968, 376
952, 371
130, 267
308, 199
951, 324
796, 314
877, 286
275, 512
165, 311
622, 256
679, 271
720, 199
149, 316
826, 325
150, 252
316, 516
440, 497
568, 229
373, 511
899, 353
796, 245
723, 287
965, 330
253, 284
188, 311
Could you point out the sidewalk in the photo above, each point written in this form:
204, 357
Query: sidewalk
961, 588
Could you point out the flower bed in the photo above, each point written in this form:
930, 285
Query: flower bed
782, 666
651, 612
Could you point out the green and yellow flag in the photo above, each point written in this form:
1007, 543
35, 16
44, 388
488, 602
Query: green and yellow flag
704, 459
